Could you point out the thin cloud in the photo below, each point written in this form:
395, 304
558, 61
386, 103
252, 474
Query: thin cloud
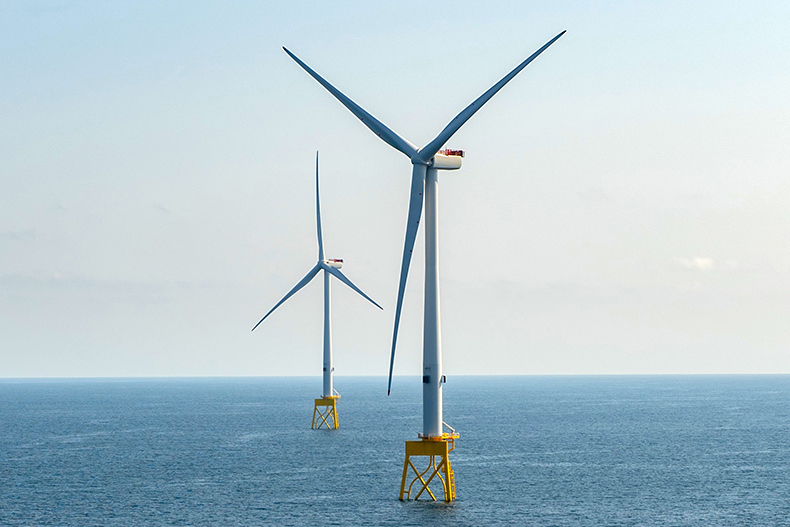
697, 262
161, 209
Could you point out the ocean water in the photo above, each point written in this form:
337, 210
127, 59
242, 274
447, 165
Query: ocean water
597, 451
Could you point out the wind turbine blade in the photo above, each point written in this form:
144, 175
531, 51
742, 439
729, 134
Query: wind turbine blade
429, 150
343, 278
318, 213
303, 282
377, 127
412, 225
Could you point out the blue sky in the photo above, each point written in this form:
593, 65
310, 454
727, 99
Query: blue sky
622, 206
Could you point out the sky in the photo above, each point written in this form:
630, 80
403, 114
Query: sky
622, 208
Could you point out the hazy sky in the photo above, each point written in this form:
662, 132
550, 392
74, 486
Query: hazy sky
623, 206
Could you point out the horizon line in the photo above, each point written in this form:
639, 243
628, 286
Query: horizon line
384, 376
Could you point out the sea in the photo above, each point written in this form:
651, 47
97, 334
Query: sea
532, 450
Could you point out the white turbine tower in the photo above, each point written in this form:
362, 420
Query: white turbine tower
426, 162
325, 407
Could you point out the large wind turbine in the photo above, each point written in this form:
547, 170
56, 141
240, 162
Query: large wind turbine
326, 406
426, 161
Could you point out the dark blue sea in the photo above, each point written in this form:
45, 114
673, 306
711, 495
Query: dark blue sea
548, 451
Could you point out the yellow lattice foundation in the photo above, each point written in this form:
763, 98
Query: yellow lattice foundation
437, 450
325, 413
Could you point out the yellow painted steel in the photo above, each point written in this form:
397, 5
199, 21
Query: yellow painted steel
437, 449
325, 413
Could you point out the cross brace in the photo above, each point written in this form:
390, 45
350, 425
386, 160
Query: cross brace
325, 413
438, 452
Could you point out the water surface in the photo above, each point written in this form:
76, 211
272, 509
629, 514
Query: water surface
619, 450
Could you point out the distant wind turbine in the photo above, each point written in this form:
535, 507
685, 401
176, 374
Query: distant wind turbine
426, 162
325, 407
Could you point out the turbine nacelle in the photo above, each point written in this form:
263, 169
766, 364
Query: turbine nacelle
335, 263
448, 160
443, 160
